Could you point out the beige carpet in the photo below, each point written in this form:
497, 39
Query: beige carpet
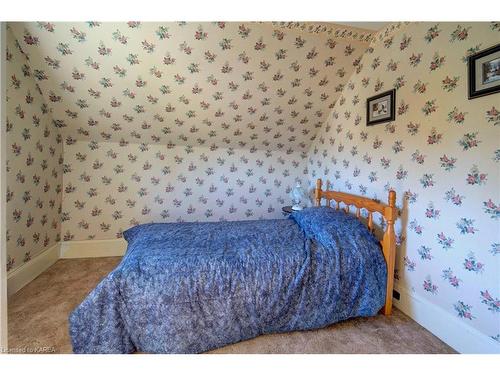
38, 318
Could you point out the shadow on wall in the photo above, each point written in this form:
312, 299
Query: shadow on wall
401, 237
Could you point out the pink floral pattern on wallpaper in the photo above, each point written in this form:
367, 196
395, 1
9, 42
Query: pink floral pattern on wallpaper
224, 84
218, 116
110, 187
441, 155
217, 121
34, 171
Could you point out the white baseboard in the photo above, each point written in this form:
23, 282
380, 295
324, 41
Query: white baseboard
93, 248
29, 271
457, 334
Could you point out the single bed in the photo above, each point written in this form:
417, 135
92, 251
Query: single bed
192, 287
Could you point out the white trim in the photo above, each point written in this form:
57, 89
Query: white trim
93, 248
459, 335
26, 273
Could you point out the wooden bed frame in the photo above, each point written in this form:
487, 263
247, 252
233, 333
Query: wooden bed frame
388, 212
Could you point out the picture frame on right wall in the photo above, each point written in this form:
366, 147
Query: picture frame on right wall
381, 108
484, 72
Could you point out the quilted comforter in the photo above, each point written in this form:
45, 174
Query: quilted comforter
192, 287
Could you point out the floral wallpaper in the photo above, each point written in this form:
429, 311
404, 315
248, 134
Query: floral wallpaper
212, 107
240, 85
109, 187
34, 164
217, 121
441, 155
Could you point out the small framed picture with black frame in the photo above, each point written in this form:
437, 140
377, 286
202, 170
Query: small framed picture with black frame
484, 72
381, 108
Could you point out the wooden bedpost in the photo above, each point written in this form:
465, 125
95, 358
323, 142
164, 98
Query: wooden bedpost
317, 192
389, 249
388, 211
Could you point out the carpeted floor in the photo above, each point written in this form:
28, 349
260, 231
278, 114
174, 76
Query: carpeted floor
38, 318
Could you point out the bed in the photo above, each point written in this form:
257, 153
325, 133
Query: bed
193, 287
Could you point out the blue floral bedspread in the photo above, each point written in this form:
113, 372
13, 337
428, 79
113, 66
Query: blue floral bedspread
192, 287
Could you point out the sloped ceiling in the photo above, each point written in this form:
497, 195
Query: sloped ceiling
242, 85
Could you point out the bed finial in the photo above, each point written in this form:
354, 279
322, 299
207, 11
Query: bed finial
317, 192
392, 198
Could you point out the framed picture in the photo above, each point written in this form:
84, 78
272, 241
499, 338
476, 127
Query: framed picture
381, 108
484, 72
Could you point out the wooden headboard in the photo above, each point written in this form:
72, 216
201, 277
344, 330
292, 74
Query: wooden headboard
388, 212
